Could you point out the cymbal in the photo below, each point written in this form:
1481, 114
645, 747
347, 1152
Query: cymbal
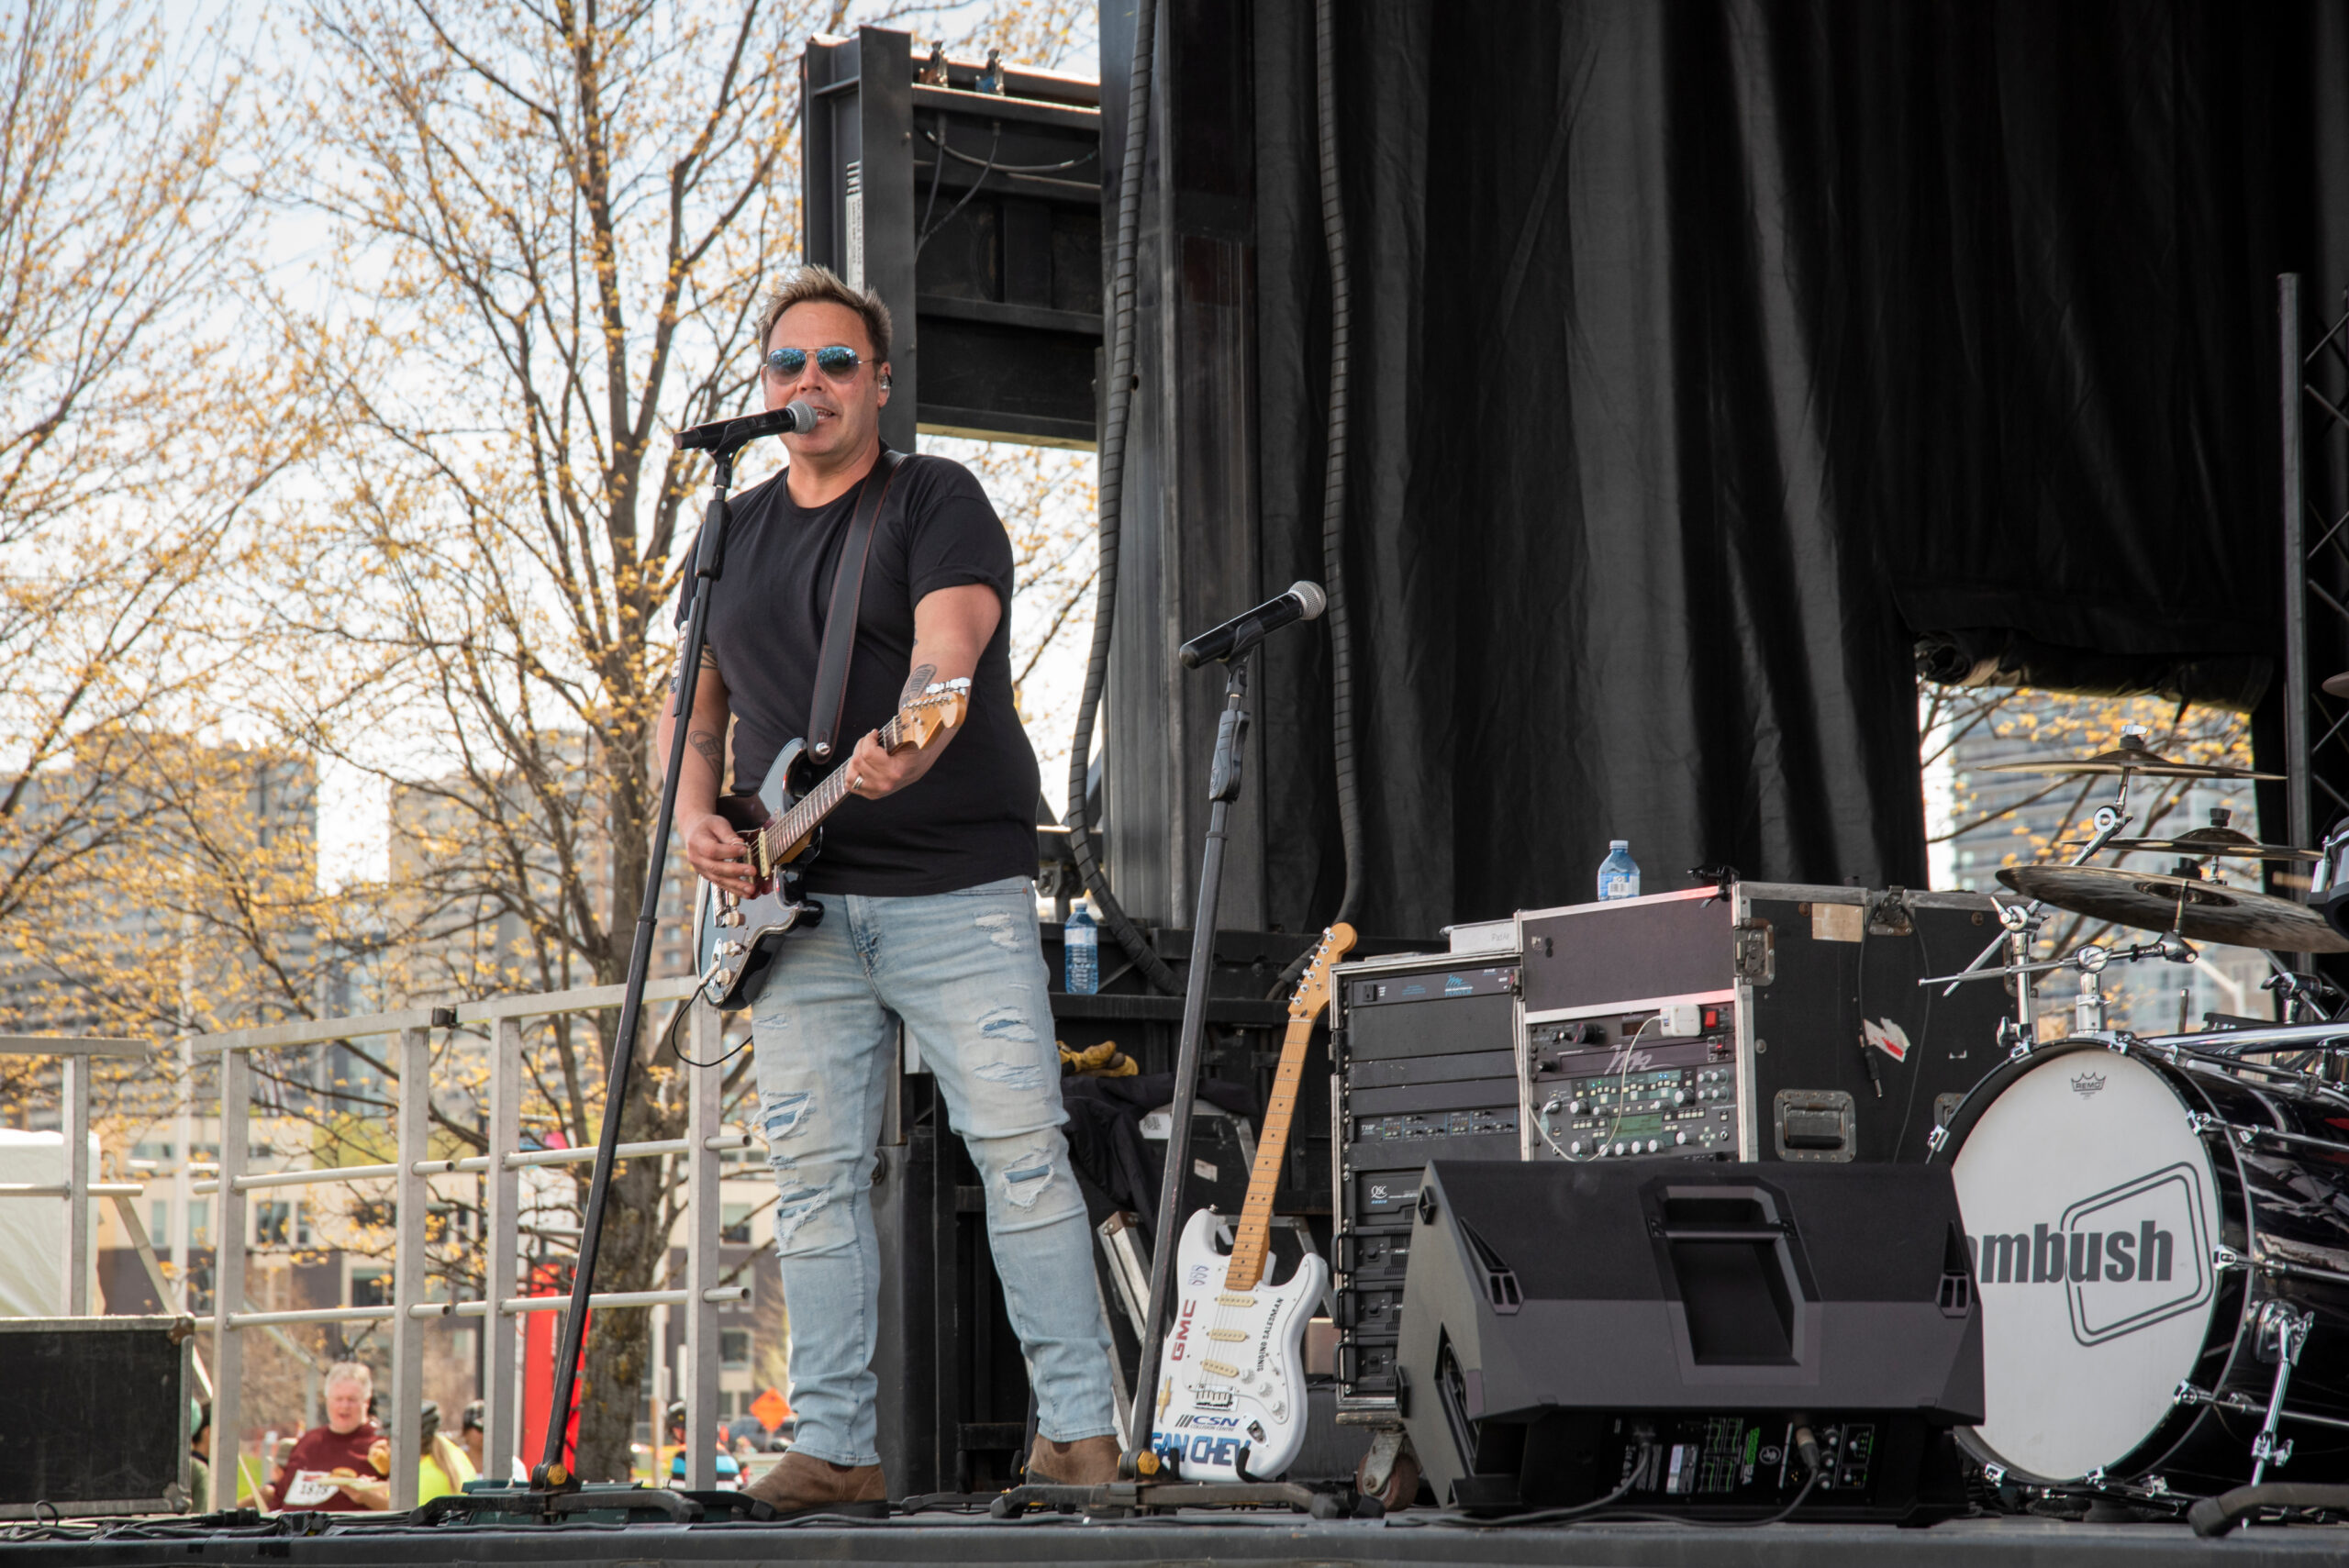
2338, 686
2218, 839
2224, 841
2132, 756
2236, 917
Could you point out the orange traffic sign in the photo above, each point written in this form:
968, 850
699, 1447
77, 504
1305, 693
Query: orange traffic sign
772, 1408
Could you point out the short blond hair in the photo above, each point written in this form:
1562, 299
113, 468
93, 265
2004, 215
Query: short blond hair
813, 284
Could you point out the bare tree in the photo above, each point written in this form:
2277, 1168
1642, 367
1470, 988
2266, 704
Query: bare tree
134, 439
551, 224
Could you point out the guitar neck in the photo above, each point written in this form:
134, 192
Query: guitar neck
804, 818
1252, 1239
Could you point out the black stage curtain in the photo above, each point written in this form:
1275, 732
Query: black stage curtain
1708, 356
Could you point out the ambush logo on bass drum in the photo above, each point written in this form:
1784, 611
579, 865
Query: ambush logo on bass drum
2125, 1257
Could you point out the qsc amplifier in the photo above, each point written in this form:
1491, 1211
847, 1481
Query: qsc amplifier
1758, 1022
1424, 1045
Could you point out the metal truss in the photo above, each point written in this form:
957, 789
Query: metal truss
2315, 409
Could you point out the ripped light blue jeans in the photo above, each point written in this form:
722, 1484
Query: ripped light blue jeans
964, 972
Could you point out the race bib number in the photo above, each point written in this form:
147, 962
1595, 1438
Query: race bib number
309, 1488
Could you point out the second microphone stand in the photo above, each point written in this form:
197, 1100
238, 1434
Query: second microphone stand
1224, 788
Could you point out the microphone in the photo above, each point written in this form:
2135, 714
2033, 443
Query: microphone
795, 418
1304, 601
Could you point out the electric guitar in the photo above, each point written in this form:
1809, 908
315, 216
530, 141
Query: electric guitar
736, 939
1232, 1378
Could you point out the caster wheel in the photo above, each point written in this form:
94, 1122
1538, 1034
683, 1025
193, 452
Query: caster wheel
1402, 1482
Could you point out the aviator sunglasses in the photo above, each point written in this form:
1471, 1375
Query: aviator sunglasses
838, 361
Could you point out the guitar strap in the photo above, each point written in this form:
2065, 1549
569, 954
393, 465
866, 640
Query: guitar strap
840, 618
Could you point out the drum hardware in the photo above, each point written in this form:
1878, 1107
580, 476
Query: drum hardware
2243, 1404
2088, 957
2087, 1012
2248, 1137
2282, 1333
2302, 993
2020, 923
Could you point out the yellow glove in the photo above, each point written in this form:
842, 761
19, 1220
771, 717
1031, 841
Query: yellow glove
1102, 1060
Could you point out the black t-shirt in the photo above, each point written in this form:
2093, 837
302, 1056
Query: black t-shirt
972, 819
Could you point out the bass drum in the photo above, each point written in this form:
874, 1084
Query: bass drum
2143, 1222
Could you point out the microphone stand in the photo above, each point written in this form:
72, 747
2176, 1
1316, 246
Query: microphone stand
1224, 788
552, 1473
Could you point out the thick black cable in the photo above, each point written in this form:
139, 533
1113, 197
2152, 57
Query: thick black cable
1120, 330
1333, 480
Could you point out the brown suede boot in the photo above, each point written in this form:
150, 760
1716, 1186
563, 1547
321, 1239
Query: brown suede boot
1088, 1462
802, 1484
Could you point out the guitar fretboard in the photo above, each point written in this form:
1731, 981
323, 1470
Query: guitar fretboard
779, 836
1250, 1241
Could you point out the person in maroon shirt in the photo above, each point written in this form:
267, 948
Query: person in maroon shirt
331, 1468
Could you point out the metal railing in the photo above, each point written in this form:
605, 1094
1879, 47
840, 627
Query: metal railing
75, 1054
409, 1311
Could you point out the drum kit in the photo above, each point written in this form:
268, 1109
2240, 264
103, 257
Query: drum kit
2159, 1225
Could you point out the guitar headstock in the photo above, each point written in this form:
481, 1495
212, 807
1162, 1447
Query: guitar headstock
1313, 991
941, 707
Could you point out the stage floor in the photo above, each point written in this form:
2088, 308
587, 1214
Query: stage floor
1411, 1538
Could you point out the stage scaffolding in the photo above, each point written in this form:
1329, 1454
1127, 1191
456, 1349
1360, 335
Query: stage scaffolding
2314, 406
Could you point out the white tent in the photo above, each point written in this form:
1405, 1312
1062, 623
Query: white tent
32, 1230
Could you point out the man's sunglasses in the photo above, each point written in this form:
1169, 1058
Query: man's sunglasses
839, 361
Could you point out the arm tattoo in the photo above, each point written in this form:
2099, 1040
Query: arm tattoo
709, 661
917, 683
707, 743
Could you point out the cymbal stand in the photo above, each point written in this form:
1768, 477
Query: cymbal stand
2088, 957
2110, 820
2305, 997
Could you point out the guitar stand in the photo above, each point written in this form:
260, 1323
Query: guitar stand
1124, 1499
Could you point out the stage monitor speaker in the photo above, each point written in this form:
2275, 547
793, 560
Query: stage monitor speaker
1662, 1327
94, 1416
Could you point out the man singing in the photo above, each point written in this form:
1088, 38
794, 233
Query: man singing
931, 919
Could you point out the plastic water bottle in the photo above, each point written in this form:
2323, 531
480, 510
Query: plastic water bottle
1081, 951
1619, 873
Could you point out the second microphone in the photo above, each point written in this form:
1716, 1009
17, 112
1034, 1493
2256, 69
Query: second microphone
1304, 601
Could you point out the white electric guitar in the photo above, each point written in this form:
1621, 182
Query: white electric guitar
1231, 1380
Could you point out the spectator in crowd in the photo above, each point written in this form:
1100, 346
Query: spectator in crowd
728, 1473
329, 1468
199, 1460
441, 1466
473, 1436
